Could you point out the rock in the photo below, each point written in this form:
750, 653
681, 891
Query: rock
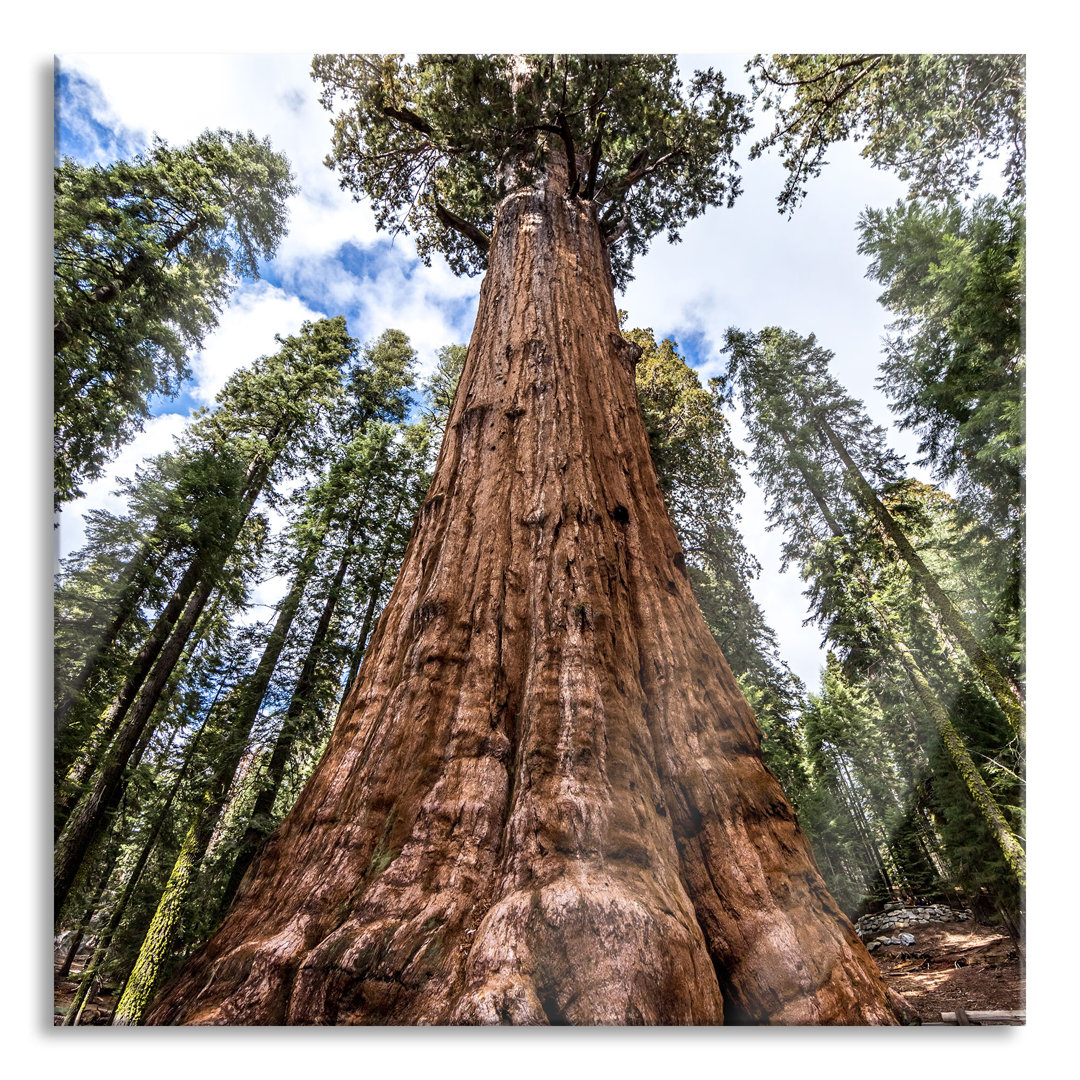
906, 939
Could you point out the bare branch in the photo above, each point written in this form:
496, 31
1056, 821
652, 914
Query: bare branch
594, 157
469, 231
571, 155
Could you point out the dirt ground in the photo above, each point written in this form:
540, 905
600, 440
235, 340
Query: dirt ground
956, 965
97, 1011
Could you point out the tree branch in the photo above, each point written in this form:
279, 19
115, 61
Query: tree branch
470, 232
621, 225
571, 156
594, 157
407, 116
862, 59
636, 172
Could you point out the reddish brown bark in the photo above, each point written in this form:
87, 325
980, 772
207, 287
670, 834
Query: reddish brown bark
544, 799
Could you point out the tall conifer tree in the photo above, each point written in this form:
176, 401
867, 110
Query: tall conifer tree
146, 254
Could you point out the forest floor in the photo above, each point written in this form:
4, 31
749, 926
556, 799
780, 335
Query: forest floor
956, 965
98, 1009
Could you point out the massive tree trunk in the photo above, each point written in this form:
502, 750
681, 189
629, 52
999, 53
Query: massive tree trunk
544, 799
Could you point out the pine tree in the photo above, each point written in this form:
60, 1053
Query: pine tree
784, 380
954, 363
146, 254
936, 119
268, 420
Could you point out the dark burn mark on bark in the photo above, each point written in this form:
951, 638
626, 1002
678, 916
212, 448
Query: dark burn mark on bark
620, 514
627, 351
426, 613
472, 419
433, 502
680, 562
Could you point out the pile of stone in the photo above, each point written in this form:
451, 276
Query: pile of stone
876, 930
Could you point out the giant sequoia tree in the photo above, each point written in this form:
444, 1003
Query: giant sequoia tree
544, 799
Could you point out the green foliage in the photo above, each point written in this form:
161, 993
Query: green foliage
146, 253
895, 686
954, 360
436, 143
788, 394
439, 388
936, 119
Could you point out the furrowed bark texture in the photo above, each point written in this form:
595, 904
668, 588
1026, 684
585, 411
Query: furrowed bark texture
544, 800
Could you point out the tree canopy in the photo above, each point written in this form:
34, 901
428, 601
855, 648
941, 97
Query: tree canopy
436, 143
935, 118
954, 277
146, 254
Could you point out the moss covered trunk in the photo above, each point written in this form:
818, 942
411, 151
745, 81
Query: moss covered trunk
544, 799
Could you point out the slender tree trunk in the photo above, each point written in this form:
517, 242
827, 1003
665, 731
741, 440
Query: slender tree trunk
120, 907
980, 793
79, 769
1006, 693
544, 799
863, 827
158, 943
161, 933
132, 584
88, 914
275, 770
79, 778
92, 812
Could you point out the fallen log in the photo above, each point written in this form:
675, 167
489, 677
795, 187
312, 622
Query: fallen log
965, 1017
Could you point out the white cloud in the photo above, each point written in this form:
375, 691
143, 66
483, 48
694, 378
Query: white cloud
156, 438
245, 332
